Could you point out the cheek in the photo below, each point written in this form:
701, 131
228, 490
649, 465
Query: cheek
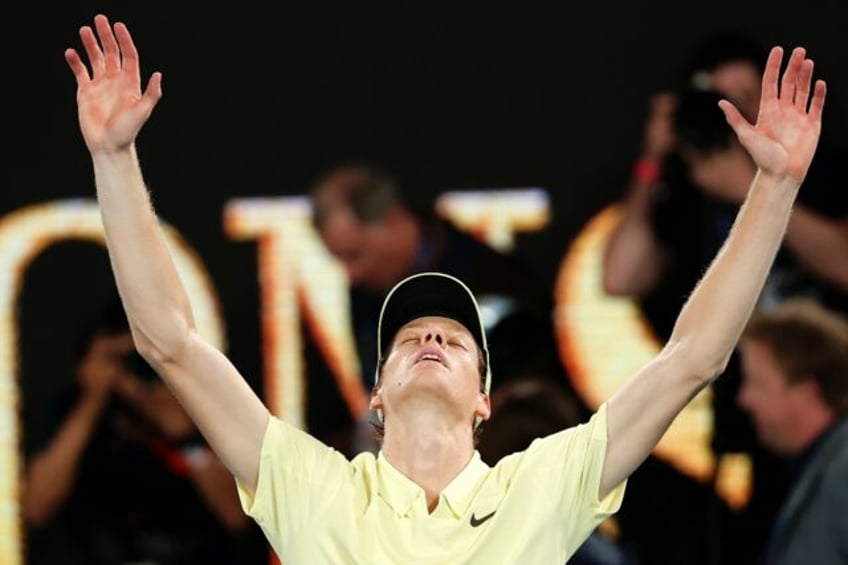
471, 367
396, 370
768, 409
752, 398
390, 372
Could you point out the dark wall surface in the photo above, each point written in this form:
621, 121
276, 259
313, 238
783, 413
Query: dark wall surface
259, 99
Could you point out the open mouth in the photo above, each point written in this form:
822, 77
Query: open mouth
430, 356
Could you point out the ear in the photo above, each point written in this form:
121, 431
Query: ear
484, 407
376, 400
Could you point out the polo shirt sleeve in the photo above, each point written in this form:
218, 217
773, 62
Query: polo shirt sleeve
297, 476
596, 451
564, 469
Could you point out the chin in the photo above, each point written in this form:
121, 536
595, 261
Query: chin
775, 445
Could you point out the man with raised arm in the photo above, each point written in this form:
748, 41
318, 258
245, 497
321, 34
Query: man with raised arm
426, 497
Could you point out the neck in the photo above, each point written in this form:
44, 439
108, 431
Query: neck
811, 426
428, 450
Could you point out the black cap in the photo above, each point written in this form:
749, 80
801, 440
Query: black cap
431, 294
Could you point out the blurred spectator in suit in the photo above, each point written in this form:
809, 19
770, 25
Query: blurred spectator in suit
795, 386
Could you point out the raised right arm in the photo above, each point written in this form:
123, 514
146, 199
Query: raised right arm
112, 110
635, 259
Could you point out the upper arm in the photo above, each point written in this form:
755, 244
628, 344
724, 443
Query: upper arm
640, 412
224, 407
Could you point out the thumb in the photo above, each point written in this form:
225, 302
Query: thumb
150, 97
734, 118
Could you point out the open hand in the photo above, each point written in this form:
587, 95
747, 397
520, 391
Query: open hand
111, 106
784, 139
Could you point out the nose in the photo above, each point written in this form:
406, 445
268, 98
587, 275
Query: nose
434, 335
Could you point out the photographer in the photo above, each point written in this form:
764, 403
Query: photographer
125, 476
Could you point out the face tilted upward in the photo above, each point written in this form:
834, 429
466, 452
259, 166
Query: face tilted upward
434, 361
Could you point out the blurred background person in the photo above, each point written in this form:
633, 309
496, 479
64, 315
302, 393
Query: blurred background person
795, 387
122, 474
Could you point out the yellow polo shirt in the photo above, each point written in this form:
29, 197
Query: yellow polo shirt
533, 507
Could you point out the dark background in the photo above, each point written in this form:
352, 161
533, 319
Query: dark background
260, 97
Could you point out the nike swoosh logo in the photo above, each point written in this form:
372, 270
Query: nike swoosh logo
477, 521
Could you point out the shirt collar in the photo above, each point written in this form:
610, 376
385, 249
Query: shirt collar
398, 490
401, 493
461, 490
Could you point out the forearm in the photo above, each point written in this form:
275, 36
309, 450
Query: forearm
53, 472
715, 314
633, 258
147, 279
820, 244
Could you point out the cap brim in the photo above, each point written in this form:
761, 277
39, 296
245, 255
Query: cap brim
428, 294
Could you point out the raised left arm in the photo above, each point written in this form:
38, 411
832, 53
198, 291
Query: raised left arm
782, 144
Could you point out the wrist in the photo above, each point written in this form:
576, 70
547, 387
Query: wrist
646, 170
778, 192
93, 400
